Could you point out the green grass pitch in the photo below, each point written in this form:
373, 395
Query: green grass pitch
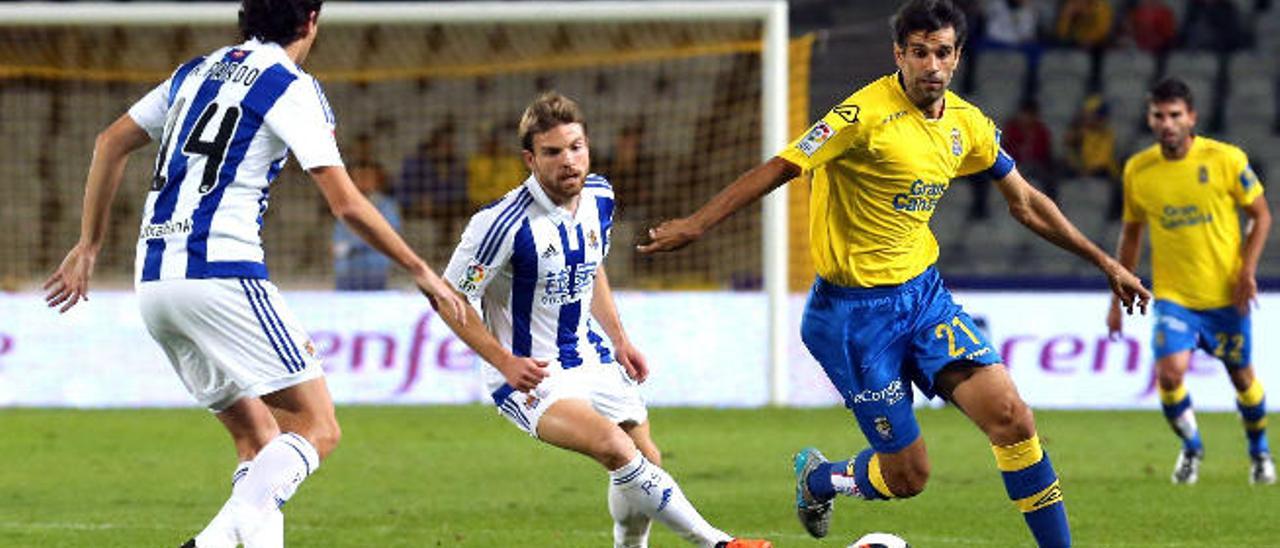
461, 476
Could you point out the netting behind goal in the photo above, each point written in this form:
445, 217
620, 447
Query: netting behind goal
425, 112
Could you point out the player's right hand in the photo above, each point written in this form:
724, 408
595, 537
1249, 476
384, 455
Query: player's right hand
1128, 289
1115, 321
69, 284
670, 236
523, 374
443, 298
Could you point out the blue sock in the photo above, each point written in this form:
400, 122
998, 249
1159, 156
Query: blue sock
1033, 486
1252, 404
848, 477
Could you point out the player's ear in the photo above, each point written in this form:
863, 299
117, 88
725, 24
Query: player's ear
527, 156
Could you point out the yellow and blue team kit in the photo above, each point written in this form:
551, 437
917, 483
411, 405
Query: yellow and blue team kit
1190, 205
878, 316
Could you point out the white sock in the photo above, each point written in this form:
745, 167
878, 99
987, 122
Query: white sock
241, 470
273, 477
630, 525
276, 473
221, 531
648, 488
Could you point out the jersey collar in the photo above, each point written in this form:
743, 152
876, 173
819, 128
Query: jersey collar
901, 92
558, 213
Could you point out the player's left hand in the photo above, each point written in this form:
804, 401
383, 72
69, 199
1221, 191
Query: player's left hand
1128, 288
632, 361
69, 284
1245, 294
443, 298
670, 236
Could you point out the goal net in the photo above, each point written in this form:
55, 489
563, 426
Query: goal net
426, 113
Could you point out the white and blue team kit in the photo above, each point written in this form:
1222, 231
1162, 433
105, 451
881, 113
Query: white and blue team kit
225, 123
532, 265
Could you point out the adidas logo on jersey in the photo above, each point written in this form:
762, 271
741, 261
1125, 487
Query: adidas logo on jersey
550, 252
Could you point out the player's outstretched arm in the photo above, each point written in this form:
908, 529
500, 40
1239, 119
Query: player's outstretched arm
605, 311
1256, 230
351, 207
70, 282
523, 374
677, 233
1128, 251
1037, 212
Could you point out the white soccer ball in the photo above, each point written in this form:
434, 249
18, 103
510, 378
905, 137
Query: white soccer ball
880, 540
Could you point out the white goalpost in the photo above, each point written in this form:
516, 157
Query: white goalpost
771, 16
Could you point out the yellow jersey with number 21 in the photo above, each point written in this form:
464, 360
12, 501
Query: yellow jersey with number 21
878, 168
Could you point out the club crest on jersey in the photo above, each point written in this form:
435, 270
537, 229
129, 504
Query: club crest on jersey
592, 239
310, 347
238, 54
815, 138
883, 428
1204, 175
531, 401
957, 147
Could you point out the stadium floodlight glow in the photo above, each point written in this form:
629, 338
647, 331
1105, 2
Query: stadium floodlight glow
771, 15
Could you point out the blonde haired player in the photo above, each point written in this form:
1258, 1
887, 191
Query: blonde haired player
1187, 188
225, 122
534, 259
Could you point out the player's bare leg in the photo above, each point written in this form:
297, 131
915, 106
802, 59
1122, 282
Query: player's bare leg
251, 425
989, 398
636, 484
1175, 402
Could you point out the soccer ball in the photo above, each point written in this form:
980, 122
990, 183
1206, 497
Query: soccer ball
880, 540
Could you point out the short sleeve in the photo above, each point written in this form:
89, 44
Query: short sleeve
1244, 184
151, 111
828, 138
485, 248
301, 117
1133, 212
985, 155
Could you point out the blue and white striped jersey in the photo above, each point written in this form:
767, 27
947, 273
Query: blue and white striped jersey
225, 124
533, 266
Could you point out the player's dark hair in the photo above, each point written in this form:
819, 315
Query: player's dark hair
278, 21
928, 16
545, 113
1171, 89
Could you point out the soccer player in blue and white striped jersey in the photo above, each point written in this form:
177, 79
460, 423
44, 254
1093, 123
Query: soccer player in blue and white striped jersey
226, 122
535, 261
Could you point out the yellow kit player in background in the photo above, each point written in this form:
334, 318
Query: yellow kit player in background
1187, 189
878, 317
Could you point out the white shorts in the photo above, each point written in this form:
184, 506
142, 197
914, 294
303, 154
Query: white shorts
228, 338
605, 386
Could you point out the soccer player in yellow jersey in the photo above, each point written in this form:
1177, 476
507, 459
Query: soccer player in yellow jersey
878, 317
1187, 189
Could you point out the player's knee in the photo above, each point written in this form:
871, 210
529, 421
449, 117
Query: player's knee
615, 450
1011, 422
1169, 379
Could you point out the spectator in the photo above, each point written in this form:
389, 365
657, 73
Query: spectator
1086, 24
1150, 23
433, 180
1009, 25
493, 170
1028, 140
357, 266
1091, 149
1215, 25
